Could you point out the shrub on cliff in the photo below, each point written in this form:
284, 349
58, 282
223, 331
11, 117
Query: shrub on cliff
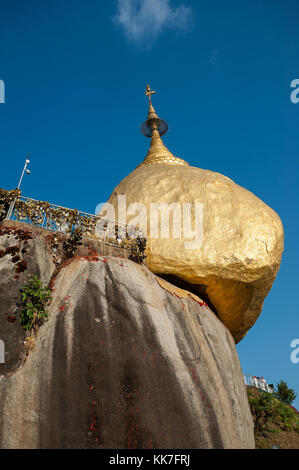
35, 298
267, 409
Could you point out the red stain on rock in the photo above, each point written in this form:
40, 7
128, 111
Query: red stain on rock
193, 373
89, 258
21, 266
201, 303
19, 234
93, 425
11, 250
11, 318
132, 428
51, 285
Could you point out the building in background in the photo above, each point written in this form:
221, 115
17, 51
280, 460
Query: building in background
257, 382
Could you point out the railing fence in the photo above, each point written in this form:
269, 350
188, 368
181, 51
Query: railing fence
60, 219
258, 382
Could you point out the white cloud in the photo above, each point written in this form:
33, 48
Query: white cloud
142, 21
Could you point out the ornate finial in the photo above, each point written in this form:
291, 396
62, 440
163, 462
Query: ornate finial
149, 93
153, 121
154, 127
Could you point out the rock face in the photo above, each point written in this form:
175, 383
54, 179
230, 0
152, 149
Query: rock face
22, 254
242, 238
25, 251
125, 361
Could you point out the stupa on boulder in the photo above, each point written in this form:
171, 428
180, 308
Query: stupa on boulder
236, 263
131, 357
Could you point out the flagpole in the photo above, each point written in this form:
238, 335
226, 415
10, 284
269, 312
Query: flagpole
25, 167
11, 208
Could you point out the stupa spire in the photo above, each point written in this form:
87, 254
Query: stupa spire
154, 127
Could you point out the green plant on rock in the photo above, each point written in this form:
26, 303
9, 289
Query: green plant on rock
286, 417
267, 409
261, 408
35, 298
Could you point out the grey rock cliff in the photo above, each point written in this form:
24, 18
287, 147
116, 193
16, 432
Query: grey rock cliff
22, 254
123, 363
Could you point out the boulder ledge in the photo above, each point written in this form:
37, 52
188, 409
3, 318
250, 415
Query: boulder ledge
126, 362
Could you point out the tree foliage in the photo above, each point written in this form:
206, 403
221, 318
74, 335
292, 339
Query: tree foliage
284, 394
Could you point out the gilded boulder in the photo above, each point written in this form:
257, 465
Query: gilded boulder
237, 241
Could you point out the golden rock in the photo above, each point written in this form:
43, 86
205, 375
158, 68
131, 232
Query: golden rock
242, 244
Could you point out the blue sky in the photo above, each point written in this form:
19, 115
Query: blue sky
75, 74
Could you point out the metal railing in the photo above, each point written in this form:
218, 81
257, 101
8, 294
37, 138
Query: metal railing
257, 382
60, 219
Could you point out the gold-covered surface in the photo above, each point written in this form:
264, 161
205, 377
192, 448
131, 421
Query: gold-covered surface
242, 239
234, 268
158, 153
178, 292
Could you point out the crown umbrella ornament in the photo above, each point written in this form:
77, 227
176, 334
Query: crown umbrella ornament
153, 121
154, 128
